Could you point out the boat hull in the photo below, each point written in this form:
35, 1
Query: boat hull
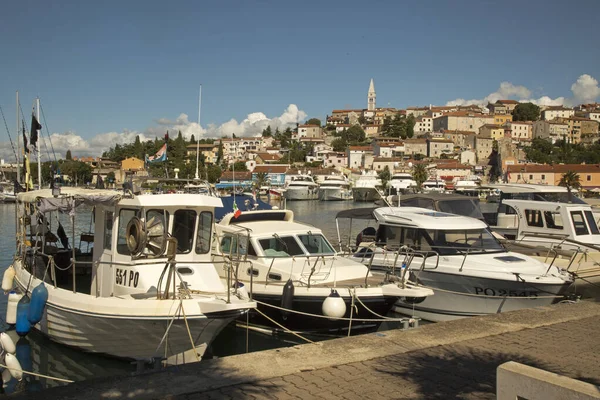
365, 194
334, 194
126, 327
458, 296
379, 304
304, 193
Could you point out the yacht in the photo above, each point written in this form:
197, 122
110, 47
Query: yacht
434, 185
335, 187
301, 187
468, 269
402, 182
293, 271
7, 192
146, 286
365, 187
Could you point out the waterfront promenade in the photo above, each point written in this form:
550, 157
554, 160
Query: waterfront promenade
447, 360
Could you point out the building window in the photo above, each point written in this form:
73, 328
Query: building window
588, 178
543, 177
530, 177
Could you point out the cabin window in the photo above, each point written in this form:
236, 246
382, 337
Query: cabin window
579, 223
591, 222
534, 218
125, 215
203, 241
553, 220
316, 244
281, 246
157, 215
184, 222
108, 226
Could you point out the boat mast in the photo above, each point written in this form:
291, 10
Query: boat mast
198, 138
18, 142
39, 160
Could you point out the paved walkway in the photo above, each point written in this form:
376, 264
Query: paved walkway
456, 359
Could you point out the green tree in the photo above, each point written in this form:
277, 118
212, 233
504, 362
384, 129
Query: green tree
355, 135
138, 148
110, 177
260, 179
419, 175
362, 120
385, 176
239, 166
570, 180
220, 153
314, 121
526, 112
267, 132
68, 156
339, 144
410, 126
213, 172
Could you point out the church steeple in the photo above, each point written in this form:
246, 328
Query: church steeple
371, 97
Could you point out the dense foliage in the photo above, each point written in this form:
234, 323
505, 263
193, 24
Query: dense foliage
542, 151
526, 112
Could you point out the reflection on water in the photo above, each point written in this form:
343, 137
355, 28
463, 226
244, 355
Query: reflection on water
37, 353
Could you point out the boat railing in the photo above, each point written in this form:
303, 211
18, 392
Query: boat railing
555, 251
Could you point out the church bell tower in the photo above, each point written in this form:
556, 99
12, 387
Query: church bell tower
371, 97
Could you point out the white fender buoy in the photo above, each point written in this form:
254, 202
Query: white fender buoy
14, 366
7, 279
11, 307
7, 343
334, 305
6, 376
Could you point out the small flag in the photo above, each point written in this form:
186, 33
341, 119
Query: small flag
35, 126
236, 211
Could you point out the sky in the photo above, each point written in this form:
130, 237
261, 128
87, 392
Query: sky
108, 71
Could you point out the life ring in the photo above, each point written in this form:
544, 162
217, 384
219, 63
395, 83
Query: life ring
136, 236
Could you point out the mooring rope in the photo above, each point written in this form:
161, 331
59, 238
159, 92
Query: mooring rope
38, 375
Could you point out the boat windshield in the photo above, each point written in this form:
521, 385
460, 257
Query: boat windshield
471, 241
316, 244
444, 242
555, 197
287, 246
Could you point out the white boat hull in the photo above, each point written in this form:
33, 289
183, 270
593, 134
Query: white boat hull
458, 296
365, 194
303, 193
334, 194
128, 327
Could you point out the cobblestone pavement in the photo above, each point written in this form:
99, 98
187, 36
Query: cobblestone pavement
463, 370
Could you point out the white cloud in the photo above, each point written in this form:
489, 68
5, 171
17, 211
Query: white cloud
252, 125
585, 90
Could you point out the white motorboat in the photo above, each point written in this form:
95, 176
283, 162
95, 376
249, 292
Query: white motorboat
470, 272
366, 187
7, 193
292, 269
504, 220
434, 185
301, 187
147, 288
335, 187
402, 182
565, 234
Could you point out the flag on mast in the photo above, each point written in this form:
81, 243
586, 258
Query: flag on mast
161, 154
236, 211
35, 126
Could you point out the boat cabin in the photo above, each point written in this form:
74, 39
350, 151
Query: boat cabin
116, 245
541, 221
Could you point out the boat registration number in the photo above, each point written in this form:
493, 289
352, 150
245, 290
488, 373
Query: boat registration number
504, 292
126, 278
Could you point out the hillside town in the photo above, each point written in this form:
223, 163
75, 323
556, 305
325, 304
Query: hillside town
454, 143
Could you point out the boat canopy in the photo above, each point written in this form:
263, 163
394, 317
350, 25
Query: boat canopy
243, 202
69, 198
357, 213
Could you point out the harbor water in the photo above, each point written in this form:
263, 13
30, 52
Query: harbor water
45, 357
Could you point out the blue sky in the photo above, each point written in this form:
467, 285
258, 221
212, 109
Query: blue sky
119, 67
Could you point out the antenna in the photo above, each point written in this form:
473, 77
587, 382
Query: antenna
196, 177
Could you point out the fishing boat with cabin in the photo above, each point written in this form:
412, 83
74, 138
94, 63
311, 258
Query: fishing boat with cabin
140, 284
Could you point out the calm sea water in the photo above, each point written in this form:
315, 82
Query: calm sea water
43, 356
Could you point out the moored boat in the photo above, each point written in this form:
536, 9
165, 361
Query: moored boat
147, 287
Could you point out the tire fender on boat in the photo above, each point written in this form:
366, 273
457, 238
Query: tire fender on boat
287, 298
